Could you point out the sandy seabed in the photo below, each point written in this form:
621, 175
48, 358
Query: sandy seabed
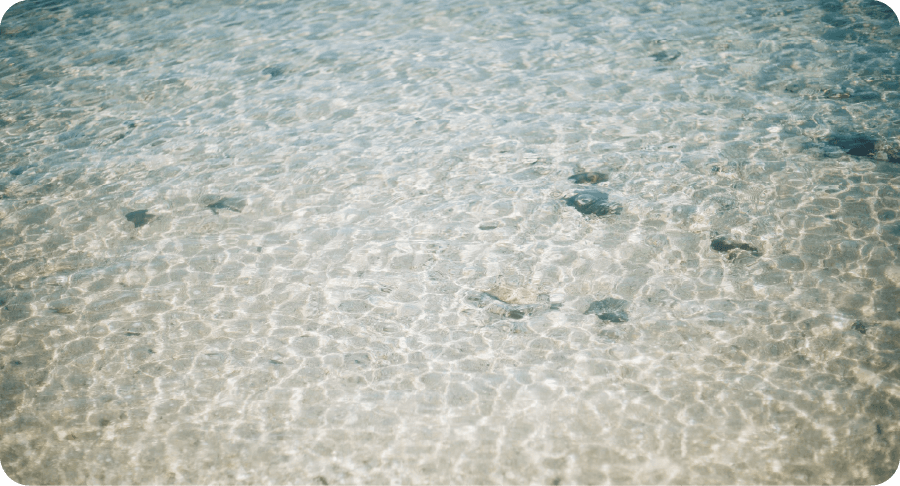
383, 242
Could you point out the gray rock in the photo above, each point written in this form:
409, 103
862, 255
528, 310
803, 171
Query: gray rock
724, 244
488, 226
609, 309
139, 217
593, 202
589, 178
665, 56
230, 203
273, 71
858, 144
494, 305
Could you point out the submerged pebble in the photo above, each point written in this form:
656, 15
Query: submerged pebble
19, 170
488, 226
857, 144
493, 304
593, 202
273, 71
724, 244
230, 203
663, 56
609, 309
139, 217
589, 178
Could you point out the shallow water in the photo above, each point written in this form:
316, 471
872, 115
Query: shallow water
338, 242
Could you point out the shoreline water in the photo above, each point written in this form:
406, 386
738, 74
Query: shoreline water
349, 243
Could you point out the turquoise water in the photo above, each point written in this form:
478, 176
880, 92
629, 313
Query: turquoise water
341, 242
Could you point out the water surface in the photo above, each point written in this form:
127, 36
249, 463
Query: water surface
347, 242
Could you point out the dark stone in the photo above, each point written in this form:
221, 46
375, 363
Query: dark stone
893, 155
856, 144
724, 244
593, 202
230, 203
139, 217
609, 309
496, 305
507, 310
795, 86
865, 95
589, 178
663, 56
515, 314
860, 327
19, 170
273, 71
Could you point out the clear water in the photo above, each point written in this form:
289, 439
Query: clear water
329, 242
